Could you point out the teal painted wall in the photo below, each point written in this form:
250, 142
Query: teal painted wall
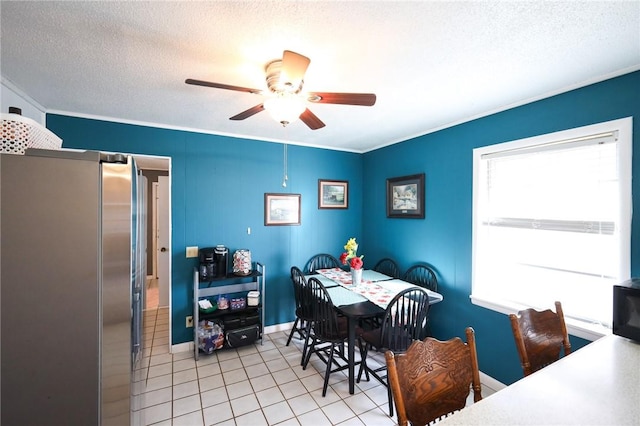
218, 185
237, 172
443, 238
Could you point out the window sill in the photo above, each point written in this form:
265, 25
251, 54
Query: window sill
575, 327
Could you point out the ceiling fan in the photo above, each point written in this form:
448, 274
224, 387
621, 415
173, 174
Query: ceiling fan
285, 100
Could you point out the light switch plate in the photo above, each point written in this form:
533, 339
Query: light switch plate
192, 251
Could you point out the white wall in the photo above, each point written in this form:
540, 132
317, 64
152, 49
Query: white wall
12, 96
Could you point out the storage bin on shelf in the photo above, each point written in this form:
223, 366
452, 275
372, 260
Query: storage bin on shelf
253, 298
207, 308
210, 336
238, 303
242, 336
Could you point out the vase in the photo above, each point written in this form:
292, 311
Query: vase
356, 276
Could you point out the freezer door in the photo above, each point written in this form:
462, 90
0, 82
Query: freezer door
50, 291
140, 268
118, 266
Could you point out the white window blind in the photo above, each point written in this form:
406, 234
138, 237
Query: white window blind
552, 221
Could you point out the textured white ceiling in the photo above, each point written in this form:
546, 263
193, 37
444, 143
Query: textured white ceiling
431, 64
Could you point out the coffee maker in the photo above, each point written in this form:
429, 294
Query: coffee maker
213, 263
207, 268
220, 256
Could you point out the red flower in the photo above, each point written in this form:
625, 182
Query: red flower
356, 262
343, 258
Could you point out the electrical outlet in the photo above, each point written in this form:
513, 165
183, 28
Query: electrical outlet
189, 321
192, 251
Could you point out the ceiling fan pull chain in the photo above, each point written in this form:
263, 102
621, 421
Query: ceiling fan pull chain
285, 177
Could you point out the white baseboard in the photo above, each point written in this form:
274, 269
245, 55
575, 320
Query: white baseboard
182, 347
278, 327
491, 383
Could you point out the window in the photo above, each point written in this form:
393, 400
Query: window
552, 221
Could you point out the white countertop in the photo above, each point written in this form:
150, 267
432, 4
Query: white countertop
598, 384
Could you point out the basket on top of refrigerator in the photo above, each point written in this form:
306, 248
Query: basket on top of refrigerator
19, 133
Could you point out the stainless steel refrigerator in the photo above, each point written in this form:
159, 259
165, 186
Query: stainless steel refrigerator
71, 287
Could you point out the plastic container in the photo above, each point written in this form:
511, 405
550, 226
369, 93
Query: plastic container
253, 298
242, 262
210, 336
223, 302
213, 308
238, 303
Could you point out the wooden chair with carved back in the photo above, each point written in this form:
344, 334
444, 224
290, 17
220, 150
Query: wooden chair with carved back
540, 337
432, 379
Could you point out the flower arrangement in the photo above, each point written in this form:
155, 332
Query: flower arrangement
350, 256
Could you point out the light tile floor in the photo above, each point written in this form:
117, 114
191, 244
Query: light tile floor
260, 384
152, 296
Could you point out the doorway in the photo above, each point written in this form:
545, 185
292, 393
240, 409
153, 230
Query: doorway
158, 253
158, 283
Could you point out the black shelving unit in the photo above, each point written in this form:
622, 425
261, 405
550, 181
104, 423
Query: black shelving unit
230, 284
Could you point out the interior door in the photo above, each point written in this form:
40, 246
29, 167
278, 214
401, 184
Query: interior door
154, 239
163, 246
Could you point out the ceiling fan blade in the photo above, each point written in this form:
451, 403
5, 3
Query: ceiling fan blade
362, 99
248, 113
311, 120
294, 66
221, 86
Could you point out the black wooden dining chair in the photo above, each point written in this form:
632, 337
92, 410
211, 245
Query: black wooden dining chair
321, 261
302, 324
403, 322
422, 275
328, 332
388, 267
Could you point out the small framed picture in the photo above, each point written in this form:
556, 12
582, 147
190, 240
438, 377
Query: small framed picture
281, 209
333, 194
405, 197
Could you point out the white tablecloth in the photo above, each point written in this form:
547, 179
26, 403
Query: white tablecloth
378, 292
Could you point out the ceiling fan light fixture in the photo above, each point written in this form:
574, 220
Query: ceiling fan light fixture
285, 109
279, 81
285, 100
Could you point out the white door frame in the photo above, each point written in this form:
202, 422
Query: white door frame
153, 162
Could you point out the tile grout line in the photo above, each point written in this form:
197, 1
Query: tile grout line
285, 354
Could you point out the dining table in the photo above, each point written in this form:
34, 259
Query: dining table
363, 300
